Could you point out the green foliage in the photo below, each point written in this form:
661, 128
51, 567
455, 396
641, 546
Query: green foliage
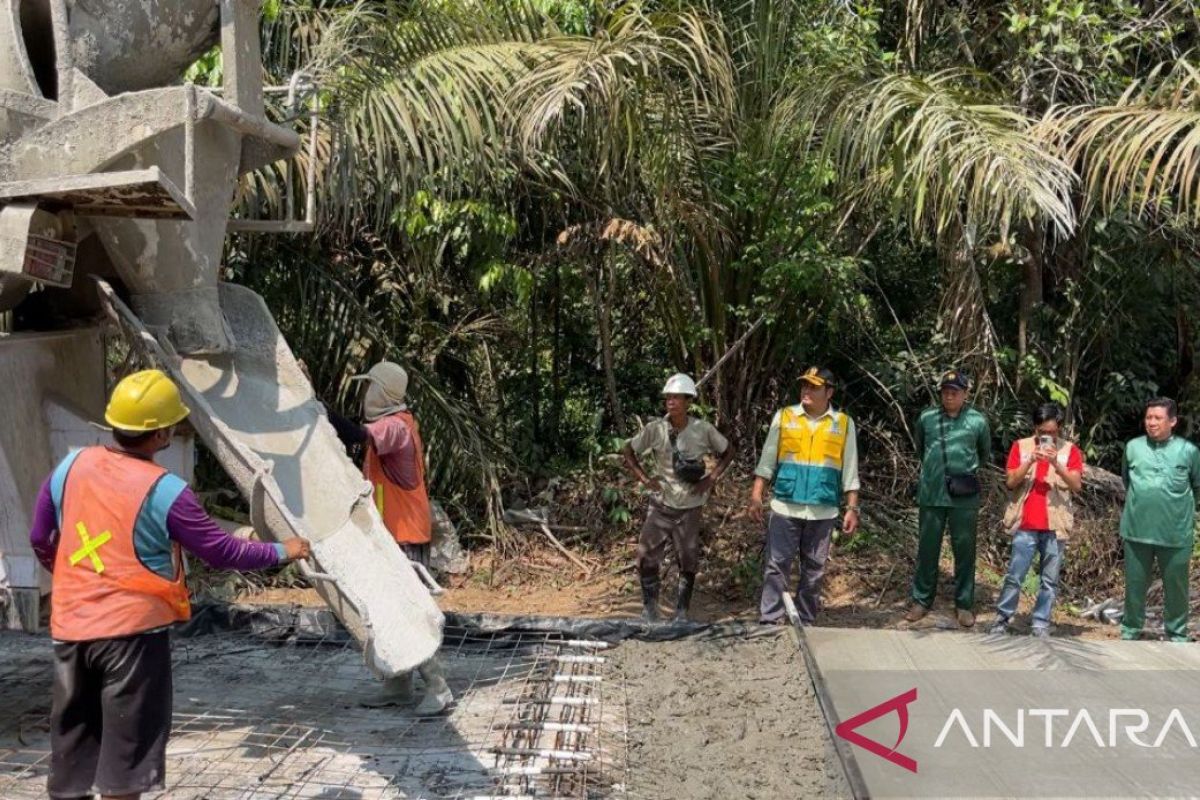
618, 512
545, 208
748, 575
206, 71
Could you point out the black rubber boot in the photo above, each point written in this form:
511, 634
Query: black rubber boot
683, 599
650, 587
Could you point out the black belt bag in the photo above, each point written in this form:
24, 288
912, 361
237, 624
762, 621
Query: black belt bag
965, 485
688, 470
962, 485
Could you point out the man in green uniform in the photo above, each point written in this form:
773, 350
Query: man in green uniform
1161, 473
953, 441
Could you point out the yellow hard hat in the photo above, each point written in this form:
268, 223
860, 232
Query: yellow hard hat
145, 401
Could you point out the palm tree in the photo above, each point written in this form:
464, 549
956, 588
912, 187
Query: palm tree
726, 145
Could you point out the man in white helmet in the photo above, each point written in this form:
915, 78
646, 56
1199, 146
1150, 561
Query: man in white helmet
678, 491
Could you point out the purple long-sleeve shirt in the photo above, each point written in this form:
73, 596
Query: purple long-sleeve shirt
187, 523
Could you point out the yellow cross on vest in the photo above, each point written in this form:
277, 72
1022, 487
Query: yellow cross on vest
89, 547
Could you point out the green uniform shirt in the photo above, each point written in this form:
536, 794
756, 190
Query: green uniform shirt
968, 445
1160, 501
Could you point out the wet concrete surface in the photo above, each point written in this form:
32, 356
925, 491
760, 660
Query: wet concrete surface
724, 718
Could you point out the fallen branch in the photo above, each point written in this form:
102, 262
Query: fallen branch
733, 348
563, 549
537, 517
886, 583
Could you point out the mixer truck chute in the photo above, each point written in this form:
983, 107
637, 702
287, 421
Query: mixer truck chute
110, 170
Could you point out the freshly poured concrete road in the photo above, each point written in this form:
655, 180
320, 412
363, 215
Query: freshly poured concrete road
1012, 716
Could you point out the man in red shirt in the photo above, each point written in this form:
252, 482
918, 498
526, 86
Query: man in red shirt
1043, 472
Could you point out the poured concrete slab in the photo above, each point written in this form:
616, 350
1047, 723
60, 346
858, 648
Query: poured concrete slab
940, 714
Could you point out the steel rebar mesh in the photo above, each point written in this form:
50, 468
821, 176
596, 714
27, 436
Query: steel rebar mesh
272, 715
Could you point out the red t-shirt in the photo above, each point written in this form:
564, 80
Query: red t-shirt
1035, 516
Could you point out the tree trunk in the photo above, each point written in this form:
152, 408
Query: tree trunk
1031, 294
604, 323
533, 359
556, 398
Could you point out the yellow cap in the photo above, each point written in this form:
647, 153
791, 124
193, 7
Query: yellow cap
145, 401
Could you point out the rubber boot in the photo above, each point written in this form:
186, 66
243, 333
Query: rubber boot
650, 587
683, 599
437, 693
397, 691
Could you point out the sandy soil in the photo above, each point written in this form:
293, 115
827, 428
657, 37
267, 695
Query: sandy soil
761, 734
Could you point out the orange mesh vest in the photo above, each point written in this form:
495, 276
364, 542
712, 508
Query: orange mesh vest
101, 588
405, 512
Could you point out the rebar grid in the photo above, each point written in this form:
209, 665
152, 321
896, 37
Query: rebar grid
269, 715
555, 745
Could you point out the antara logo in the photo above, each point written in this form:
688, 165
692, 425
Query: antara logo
848, 729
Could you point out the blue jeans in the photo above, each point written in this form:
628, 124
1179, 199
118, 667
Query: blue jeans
1024, 545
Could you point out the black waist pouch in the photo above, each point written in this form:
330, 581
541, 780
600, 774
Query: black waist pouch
962, 485
688, 470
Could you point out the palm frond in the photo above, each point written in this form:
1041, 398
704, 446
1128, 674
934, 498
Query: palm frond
413, 92
611, 91
942, 150
1142, 151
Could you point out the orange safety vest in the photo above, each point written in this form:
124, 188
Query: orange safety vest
101, 589
405, 512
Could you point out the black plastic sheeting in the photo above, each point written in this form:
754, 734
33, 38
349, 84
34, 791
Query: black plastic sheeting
610, 630
281, 624
317, 625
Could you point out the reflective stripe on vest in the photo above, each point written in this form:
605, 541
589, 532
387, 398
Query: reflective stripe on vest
102, 588
405, 512
809, 468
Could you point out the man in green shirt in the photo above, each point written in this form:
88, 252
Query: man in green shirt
953, 440
1161, 473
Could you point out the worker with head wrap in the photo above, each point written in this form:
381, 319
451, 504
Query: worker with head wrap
395, 458
395, 467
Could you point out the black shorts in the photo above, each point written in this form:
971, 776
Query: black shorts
111, 715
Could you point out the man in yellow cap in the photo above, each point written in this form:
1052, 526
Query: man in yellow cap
811, 455
111, 526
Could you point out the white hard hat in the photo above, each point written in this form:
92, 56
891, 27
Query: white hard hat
680, 384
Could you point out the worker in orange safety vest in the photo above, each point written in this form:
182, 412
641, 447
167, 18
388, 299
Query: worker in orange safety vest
394, 465
395, 458
112, 527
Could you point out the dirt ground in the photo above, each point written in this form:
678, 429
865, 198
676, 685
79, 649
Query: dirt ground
866, 585
856, 596
782, 749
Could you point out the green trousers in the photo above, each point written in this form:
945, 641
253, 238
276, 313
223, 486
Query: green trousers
1139, 564
932, 523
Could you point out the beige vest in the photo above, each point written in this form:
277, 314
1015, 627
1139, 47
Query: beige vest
1058, 501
